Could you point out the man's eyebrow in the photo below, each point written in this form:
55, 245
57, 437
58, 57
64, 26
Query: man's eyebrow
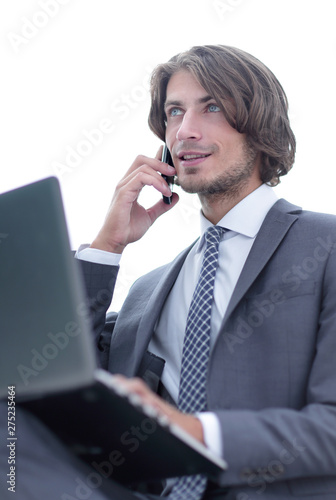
201, 100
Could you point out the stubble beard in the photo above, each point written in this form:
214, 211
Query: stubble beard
227, 185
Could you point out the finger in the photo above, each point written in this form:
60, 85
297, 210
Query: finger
141, 160
157, 182
146, 176
134, 385
137, 386
151, 166
160, 208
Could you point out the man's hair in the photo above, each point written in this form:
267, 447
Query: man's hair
250, 96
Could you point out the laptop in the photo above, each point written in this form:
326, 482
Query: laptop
47, 353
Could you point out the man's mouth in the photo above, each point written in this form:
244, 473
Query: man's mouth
192, 157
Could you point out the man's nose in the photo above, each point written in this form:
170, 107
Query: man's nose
190, 128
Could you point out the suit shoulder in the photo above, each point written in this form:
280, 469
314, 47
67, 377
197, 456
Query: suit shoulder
319, 220
314, 221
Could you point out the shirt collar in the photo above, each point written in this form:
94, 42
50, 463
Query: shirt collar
247, 216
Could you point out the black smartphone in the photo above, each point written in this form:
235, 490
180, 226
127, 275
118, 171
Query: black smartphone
166, 158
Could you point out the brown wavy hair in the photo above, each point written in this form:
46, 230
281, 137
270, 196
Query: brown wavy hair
250, 96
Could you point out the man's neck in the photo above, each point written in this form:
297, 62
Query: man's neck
215, 207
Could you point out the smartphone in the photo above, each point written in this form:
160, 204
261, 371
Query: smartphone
166, 158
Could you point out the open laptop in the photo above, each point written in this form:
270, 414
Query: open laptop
47, 352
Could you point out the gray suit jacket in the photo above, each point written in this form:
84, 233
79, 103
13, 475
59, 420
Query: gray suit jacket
272, 372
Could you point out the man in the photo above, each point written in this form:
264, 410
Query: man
269, 374
270, 377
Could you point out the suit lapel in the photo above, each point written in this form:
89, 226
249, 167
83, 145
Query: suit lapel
156, 301
274, 228
136, 321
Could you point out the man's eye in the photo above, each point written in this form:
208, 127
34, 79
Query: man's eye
175, 112
213, 108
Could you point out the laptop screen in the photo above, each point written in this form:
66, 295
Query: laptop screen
45, 334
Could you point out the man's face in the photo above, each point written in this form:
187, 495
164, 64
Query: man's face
210, 157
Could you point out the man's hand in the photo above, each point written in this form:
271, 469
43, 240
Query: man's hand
189, 423
127, 221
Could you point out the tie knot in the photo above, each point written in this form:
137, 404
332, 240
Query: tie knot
213, 235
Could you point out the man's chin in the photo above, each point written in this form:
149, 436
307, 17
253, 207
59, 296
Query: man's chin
188, 186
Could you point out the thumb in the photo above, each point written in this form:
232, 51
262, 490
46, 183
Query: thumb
160, 208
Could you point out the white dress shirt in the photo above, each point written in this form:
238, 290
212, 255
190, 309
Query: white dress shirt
243, 222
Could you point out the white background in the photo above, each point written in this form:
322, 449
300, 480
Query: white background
67, 66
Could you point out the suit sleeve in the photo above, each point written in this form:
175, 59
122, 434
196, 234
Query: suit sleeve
99, 282
280, 444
